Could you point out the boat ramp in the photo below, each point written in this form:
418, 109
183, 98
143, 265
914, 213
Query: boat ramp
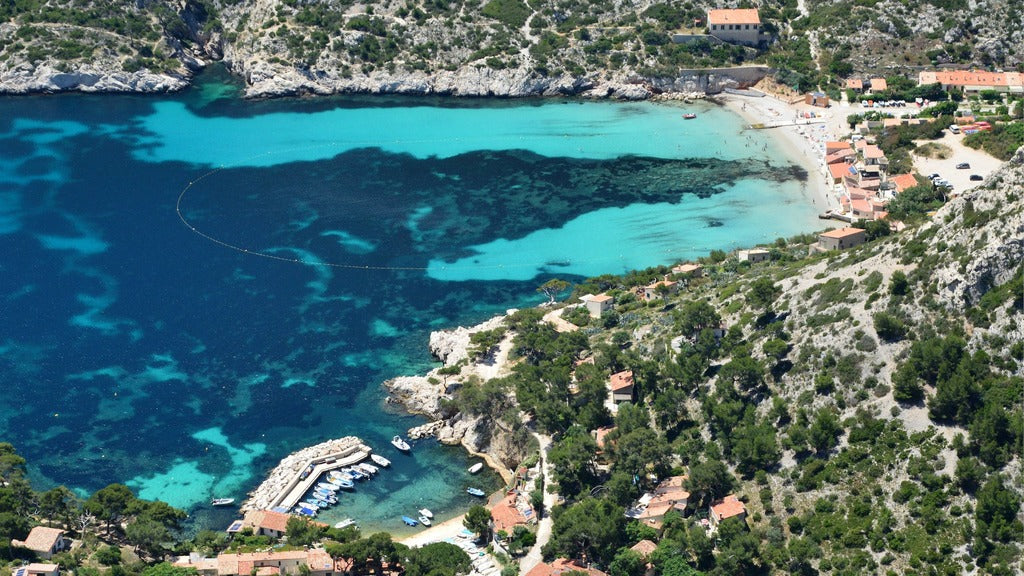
298, 472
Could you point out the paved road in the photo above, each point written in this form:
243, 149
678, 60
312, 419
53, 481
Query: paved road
533, 557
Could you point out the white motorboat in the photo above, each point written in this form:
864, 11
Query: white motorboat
345, 523
476, 467
402, 445
222, 501
380, 460
424, 520
426, 512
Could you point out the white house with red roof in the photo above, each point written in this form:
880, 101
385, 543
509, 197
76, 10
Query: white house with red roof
36, 569
44, 541
737, 25
597, 304
620, 385
728, 507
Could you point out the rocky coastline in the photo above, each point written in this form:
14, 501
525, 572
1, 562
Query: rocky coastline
425, 395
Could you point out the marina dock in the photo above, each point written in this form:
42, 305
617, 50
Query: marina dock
298, 472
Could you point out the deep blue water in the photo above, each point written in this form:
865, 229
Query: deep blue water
194, 286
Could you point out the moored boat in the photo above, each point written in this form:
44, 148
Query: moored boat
426, 512
402, 445
476, 467
368, 467
345, 523
343, 483
424, 520
409, 521
327, 486
222, 501
474, 491
380, 460
689, 116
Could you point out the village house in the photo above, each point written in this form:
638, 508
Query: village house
974, 81
644, 549
563, 566
841, 239
601, 437
738, 26
505, 515
689, 270
819, 99
652, 506
267, 523
838, 173
273, 563
878, 85
834, 146
597, 304
753, 256
855, 84
37, 569
901, 182
621, 387
728, 507
44, 541
651, 291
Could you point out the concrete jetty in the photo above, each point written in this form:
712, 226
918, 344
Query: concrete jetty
299, 471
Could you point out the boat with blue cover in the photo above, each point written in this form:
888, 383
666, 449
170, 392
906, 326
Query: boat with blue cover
343, 483
409, 521
474, 491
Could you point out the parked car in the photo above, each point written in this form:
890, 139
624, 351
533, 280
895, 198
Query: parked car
934, 176
976, 177
963, 166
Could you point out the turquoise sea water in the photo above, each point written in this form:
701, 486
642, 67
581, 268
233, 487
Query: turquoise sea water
194, 286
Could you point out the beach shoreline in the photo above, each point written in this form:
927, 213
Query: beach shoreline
804, 145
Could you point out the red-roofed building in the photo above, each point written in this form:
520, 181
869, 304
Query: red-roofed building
621, 386
838, 171
597, 304
267, 523
265, 563
836, 145
739, 26
842, 238
689, 269
728, 507
845, 156
37, 569
855, 84
562, 566
873, 155
44, 541
506, 515
601, 437
903, 181
974, 80
651, 291
879, 85
644, 548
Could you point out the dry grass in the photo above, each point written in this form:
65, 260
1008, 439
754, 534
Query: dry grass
934, 150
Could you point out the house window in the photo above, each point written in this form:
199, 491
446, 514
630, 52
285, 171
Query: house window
746, 26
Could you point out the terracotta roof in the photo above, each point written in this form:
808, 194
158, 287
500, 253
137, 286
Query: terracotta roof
686, 268
42, 538
37, 568
879, 84
644, 548
600, 434
860, 205
733, 16
872, 151
669, 283
859, 193
870, 183
836, 145
903, 181
598, 297
840, 156
727, 507
270, 520
842, 233
671, 490
855, 83
971, 78
838, 170
621, 380
506, 516
655, 510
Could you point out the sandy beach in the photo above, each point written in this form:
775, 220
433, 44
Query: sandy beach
805, 144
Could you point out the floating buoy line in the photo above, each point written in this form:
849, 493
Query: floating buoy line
372, 267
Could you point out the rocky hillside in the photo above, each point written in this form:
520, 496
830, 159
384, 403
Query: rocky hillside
475, 47
865, 405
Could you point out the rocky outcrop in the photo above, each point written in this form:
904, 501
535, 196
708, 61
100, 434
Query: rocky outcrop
28, 79
452, 346
972, 216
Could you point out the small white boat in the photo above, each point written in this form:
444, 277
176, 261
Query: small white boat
380, 460
427, 513
222, 501
345, 523
424, 520
402, 445
368, 468
476, 467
